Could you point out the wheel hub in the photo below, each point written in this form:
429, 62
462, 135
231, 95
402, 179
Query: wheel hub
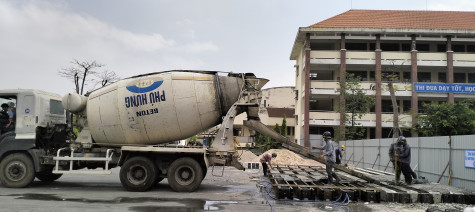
16, 171
185, 175
137, 174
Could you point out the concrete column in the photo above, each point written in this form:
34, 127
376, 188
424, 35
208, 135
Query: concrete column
450, 66
307, 93
342, 82
414, 98
378, 100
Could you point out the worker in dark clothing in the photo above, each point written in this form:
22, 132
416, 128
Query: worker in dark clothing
339, 153
401, 152
329, 156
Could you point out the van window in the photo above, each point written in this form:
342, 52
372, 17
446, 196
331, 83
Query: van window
55, 107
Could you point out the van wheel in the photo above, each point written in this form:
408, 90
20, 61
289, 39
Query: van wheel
47, 176
17, 170
138, 174
185, 174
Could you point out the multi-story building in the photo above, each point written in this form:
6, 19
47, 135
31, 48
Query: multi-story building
276, 103
420, 46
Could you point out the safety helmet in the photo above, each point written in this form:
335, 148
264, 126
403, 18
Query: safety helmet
274, 155
327, 134
11, 104
342, 147
401, 139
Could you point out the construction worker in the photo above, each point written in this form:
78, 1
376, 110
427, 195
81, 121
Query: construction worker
329, 156
339, 153
267, 158
401, 152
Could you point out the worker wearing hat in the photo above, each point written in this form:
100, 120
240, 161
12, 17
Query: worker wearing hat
267, 158
339, 153
329, 156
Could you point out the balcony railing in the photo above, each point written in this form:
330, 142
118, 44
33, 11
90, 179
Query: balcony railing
333, 85
386, 118
387, 56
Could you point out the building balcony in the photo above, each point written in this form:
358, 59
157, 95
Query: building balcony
327, 89
390, 58
331, 118
331, 88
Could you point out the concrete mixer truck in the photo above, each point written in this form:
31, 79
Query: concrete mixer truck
127, 124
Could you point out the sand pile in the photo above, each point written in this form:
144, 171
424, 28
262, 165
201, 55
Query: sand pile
287, 157
246, 156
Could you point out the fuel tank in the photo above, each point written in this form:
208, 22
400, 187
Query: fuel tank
159, 107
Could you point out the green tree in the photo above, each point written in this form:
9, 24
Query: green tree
283, 129
265, 143
357, 105
447, 119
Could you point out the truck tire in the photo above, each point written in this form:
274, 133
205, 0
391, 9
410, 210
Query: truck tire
185, 175
17, 171
47, 176
138, 174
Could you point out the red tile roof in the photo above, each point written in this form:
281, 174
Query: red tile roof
397, 19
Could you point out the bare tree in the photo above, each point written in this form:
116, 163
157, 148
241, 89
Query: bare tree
83, 72
392, 75
106, 77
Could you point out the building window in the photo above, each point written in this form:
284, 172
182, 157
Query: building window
423, 47
459, 78
390, 46
313, 76
442, 77
470, 48
406, 104
386, 106
441, 48
356, 46
371, 76
458, 48
471, 77
406, 47
423, 76
406, 76
361, 74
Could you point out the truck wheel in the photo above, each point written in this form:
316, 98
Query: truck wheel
47, 176
17, 170
185, 174
138, 174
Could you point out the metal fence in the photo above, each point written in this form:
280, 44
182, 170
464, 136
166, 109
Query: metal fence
430, 155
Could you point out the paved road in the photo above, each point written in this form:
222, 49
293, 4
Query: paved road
235, 191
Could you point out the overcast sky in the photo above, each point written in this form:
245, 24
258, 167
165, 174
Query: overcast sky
39, 38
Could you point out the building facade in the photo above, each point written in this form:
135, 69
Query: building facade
276, 103
425, 47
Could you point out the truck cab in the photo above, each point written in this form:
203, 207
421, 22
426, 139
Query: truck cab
37, 113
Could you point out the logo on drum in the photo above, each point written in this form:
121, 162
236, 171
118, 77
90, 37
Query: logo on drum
144, 86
